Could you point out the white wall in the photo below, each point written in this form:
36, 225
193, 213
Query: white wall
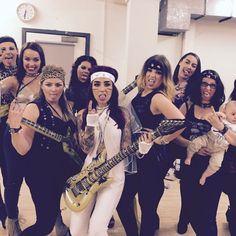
123, 36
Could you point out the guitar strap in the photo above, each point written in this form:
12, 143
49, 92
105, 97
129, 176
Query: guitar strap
103, 120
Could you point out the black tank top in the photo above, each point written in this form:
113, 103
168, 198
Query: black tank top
198, 128
46, 154
142, 108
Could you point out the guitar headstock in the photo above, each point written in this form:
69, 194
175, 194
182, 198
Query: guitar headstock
169, 126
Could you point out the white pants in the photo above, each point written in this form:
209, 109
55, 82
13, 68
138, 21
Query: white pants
105, 201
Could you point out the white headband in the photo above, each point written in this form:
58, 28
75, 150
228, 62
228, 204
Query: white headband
103, 74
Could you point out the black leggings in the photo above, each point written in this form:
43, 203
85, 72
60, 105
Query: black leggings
149, 185
230, 190
15, 169
200, 203
46, 195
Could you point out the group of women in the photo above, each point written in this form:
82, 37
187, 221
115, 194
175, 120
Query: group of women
102, 126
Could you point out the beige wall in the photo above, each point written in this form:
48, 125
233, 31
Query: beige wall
123, 36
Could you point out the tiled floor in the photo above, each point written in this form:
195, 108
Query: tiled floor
168, 212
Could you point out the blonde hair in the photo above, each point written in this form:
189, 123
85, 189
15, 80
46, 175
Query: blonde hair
167, 87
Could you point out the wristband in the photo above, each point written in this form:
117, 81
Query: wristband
163, 141
14, 130
92, 120
224, 130
139, 155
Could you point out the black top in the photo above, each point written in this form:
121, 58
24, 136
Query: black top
46, 156
79, 95
141, 106
198, 128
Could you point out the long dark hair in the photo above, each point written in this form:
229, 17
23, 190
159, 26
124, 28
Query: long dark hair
192, 78
115, 111
20, 74
195, 74
219, 96
233, 94
74, 81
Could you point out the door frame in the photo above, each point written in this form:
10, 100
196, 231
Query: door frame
58, 32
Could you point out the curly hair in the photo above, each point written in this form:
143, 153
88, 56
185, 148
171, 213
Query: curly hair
219, 96
74, 82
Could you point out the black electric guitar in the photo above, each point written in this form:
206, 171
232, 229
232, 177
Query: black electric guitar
68, 141
130, 86
81, 187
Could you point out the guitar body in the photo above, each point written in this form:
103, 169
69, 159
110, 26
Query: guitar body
80, 188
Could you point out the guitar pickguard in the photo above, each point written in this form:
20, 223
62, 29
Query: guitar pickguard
81, 187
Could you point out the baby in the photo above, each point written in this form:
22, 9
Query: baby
214, 141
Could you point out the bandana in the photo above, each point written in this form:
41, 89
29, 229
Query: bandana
52, 72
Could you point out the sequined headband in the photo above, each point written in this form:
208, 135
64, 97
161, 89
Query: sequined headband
155, 65
52, 72
103, 74
209, 74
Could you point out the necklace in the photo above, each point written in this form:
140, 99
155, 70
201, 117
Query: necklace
31, 75
101, 109
23, 85
205, 105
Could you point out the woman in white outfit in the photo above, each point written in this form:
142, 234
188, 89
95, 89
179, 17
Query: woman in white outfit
103, 126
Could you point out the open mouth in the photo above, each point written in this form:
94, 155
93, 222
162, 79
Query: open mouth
102, 97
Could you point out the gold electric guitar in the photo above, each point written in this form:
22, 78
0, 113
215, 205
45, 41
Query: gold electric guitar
68, 141
81, 187
4, 109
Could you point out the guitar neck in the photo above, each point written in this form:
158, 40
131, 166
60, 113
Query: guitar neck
109, 164
130, 87
42, 130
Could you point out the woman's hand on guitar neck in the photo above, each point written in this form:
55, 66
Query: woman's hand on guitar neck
145, 143
15, 114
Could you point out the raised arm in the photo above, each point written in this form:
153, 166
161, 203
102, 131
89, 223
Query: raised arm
22, 140
9, 84
162, 105
86, 136
216, 122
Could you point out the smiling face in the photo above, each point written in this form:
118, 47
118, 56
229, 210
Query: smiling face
83, 71
102, 90
187, 67
153, 79
208, 88
31, 61
9, 54
52, 89
230, 112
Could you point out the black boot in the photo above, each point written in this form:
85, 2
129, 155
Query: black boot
111, 223
227, 214
182, 226
3, 214
60, 228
